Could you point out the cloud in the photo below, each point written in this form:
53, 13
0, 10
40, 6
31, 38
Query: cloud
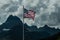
47, 11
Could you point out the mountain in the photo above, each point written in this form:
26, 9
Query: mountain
15, 26
41, 33
49, 30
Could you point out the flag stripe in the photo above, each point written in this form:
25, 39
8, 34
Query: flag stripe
29, 14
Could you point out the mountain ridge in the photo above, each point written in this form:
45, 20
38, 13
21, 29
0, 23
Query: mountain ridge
14, 23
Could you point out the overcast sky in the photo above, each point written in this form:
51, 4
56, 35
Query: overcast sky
47, 11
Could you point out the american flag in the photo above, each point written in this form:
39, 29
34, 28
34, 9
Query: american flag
29, 14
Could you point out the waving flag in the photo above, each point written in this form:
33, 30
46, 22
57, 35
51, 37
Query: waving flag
29, 14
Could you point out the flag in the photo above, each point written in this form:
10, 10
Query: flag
29, 14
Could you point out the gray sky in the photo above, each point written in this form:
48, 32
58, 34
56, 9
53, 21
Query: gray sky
47, 11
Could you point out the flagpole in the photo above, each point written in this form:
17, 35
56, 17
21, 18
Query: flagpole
23, 22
